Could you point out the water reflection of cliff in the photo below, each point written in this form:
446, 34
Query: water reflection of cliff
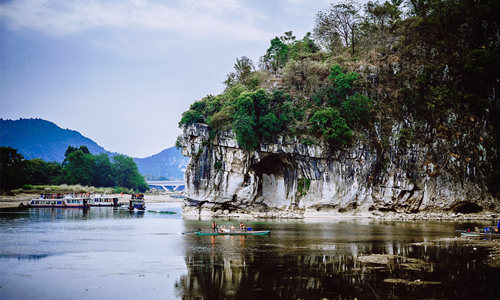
234, 267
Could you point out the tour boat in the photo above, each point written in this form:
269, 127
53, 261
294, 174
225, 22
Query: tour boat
59, 200
237, 232
101, 200
137, 202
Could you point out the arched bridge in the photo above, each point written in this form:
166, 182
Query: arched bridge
168, 186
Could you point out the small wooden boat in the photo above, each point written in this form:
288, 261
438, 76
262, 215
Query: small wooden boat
250, 232
470, 234
480, 235
163, 212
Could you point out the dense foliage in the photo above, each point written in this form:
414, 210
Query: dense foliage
258, 115
79, 167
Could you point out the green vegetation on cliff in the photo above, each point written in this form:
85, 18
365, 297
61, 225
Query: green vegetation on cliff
429, 68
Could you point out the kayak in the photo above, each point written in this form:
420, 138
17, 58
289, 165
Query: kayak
261, 232
469, 234
162, 212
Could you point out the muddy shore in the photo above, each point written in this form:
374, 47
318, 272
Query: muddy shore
210, 211
492, 246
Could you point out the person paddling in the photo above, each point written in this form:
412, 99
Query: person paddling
214, 226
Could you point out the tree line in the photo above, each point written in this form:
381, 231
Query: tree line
79, 167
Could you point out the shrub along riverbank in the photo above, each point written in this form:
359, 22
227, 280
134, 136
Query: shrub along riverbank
65, 189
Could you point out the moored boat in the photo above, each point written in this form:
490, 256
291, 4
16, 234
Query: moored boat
250, 232
102, 200
137, 202
58, 200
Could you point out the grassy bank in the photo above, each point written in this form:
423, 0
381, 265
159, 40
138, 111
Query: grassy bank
64, 189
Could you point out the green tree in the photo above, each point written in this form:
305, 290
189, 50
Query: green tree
243, 68
341, 85
341, 21
342, 82
190, 117
383, 15
357, 109
80, 168
329, 124
481, 71
41, 172
72, 149
268, 126
103, 171
276, 55
245, 121
243, 126
12, 169
126, 174
302, 47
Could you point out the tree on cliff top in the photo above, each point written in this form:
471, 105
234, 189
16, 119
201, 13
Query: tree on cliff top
342, 21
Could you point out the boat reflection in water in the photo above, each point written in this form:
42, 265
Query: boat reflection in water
48, 213
297, 263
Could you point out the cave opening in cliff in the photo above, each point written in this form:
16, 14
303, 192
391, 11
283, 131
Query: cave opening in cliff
273, 176
468, 208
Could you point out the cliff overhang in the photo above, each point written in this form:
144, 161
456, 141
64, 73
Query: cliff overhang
287, 178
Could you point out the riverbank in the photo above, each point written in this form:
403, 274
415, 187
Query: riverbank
210, 211
14, 201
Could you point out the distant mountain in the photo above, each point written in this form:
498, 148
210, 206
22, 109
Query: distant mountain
168, 164
37, 138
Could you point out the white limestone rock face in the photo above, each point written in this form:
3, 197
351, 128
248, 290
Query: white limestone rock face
287, 178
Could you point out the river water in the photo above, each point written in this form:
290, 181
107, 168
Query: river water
108, 253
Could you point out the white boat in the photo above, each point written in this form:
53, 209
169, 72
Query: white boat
58, 200
137, 202
102, 200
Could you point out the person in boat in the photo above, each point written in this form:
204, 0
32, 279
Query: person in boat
214, 226
242, 227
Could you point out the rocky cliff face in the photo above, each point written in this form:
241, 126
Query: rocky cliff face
287, 178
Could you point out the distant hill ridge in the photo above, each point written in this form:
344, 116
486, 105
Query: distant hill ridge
38, 138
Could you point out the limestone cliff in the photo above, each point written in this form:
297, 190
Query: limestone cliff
404, 123
287, 178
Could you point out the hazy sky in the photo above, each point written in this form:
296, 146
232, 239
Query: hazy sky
122, 72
